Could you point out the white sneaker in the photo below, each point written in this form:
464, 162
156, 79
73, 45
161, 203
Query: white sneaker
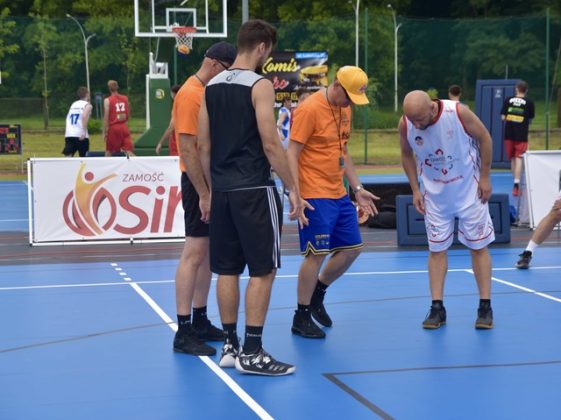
228, 356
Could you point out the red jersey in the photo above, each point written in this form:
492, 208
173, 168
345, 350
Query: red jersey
118, 109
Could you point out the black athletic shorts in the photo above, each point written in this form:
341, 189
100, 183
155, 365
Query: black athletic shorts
194, 227
245, 227
74, 144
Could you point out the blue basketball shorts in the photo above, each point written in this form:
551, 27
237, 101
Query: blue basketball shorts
333, 227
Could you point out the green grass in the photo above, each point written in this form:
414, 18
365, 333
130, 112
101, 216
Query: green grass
382, 149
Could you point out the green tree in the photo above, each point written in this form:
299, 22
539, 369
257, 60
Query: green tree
6, 28
39, 37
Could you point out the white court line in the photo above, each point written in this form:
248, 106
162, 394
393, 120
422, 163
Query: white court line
13, 220
284, 276
238, 390
525, 289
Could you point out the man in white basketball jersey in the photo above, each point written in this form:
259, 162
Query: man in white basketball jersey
450, 149
76, 135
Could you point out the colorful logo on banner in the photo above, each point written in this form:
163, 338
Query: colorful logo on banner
82, 207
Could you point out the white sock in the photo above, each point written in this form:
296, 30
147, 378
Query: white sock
531, 246
516, 181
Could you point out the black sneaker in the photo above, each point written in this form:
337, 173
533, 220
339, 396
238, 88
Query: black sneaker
524, 261
188, 342
305, 326
320, 314
436, 318
229, 355
208, 332
262, 363
484, 319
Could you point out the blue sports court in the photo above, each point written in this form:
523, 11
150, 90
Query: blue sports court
87, 334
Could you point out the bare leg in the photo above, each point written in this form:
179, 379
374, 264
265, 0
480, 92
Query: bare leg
546, 225
337, 265
308, 276
195, 252
516, 164
257, 297
202, 282
481, 264
438, 267
228, 293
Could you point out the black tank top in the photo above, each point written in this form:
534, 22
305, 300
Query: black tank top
237, 159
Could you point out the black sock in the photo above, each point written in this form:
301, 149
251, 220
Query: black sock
516, 184
183, 321
199, 316
231, 333
252, 343
437, 303
484, 303
304, 310
319, 292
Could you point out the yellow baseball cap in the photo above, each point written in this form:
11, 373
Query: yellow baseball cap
354, 80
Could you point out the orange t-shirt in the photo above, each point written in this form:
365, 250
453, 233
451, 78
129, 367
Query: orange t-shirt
186, 107
324, 131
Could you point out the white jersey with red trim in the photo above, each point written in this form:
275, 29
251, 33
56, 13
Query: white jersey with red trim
448, 160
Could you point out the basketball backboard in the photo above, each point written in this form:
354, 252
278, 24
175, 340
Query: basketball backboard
155, 18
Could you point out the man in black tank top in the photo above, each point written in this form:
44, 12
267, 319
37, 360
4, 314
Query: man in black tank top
238, 145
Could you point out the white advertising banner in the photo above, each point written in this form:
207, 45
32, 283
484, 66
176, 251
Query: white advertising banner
543, 176
101, 199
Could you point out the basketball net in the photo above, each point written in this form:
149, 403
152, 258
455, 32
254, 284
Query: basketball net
184, 38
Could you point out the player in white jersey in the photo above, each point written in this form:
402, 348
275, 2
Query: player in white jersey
76, 135
449, 148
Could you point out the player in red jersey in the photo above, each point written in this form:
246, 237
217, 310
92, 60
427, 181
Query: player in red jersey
116, 113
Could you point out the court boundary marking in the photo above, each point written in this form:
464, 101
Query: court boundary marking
333, 377
233, 385
288, 276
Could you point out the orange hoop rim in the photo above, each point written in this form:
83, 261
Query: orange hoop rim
183, 29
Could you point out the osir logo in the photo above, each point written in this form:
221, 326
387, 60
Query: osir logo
91, 209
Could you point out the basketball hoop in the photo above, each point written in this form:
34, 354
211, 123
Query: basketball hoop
184, 38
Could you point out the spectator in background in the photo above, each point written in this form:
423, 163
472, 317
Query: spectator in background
169, 134
284, 121
454, 93
517, 112
76, 138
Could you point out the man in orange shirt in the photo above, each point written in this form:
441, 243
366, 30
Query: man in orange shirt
192, 279
318, 160
116, 113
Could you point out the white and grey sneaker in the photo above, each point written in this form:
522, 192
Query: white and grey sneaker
229, 355
262, 363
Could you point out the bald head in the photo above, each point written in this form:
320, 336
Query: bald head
419, 108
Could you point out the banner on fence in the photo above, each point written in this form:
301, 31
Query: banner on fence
291, 70
100, 199
543, 176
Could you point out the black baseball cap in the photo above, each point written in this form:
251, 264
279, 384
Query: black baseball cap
223, 51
